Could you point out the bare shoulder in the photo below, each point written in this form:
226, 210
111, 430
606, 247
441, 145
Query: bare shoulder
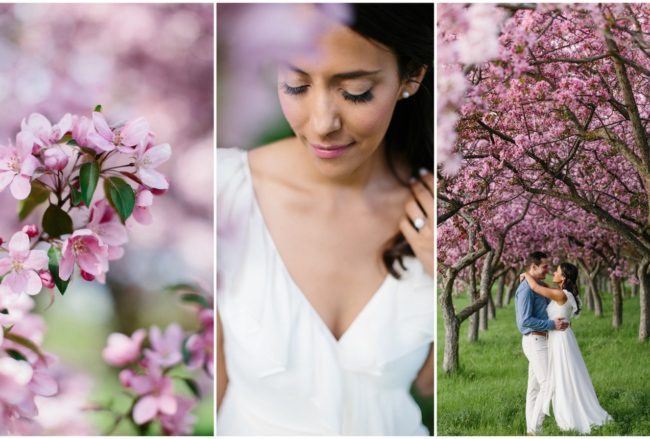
271, 157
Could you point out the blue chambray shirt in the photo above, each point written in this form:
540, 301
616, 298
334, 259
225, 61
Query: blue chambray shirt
530, 310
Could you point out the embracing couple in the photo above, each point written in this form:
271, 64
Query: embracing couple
556, 370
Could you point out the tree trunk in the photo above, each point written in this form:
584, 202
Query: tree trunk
617, 300
491, 309
501, 286
644, 293
512, 289
598, 301
634, 291
483, 317
588, 298
452, 329
472, 330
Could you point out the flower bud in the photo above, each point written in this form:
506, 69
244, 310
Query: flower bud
158, 191
1, 241
31, 230
55, 159
46, 279
87, 276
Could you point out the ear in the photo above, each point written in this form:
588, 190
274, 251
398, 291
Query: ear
412, 83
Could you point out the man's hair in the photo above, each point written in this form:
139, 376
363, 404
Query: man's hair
535, 258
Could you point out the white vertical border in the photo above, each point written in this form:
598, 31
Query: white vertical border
214, 212
435, 228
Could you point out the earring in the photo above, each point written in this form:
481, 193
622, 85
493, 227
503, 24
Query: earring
406, 94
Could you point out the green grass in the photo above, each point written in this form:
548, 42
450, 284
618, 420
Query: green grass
488, 395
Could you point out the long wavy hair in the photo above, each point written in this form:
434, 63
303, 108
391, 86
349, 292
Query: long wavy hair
570, 273
407, 29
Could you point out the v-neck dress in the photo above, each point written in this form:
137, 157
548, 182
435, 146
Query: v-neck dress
287, 374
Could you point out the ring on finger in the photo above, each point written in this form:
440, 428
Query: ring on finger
418, 223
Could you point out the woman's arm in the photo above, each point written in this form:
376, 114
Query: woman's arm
552, 293
222, 376
424, 379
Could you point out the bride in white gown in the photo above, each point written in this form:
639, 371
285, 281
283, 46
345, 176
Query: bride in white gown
575, 404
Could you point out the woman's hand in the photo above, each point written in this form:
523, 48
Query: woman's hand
417, 223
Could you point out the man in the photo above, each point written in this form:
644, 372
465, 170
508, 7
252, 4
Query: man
533, 323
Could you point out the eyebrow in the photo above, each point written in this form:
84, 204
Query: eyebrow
346, 75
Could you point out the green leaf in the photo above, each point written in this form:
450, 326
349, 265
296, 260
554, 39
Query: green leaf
183, 287
23, 341
75, 196
38, 195
196, 298
185, 352
54, 255
72, 142
98, 108
16, 355
91, 152
56, 221
120, 195
88, 178
193, 386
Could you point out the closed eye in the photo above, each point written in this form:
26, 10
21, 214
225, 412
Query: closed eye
294, 90
357, 99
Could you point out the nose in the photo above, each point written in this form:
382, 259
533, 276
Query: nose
325, 117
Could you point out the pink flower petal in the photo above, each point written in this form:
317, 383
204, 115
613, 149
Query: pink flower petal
101, 126
6, 264
167, 404
37, 260
43, 384
158, 154
29, 165
142, 215
16, 282
34, 284
66, 264
19, 246
101, 143
144, 198
5, 178
113, 233
134, 132
21, 187
145, 410
153, 178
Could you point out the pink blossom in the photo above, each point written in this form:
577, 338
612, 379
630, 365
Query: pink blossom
149, 158
182, 422
42, 132
20, 269
86, 249
156, 394
126, 139
17, 166
143, 202
201, 345
122, 350
55, 159
31, 230
81, 127
46, 279
166, 348
104, 222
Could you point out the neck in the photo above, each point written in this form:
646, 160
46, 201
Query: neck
536, 277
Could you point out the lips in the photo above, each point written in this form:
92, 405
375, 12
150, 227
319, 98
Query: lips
330, 151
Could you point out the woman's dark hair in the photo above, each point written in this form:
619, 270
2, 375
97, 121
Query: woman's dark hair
407, 29
570, 273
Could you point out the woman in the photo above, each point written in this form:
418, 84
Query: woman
325, 241
575, 404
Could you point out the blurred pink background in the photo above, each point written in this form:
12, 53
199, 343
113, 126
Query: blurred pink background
149, 60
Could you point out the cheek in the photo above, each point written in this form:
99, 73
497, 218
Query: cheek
293, 111
370, 120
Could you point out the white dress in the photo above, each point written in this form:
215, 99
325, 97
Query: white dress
287, 373
575, 404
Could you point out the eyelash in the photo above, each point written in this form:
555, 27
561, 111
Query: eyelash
355, 99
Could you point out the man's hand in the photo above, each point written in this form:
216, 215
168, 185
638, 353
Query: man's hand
561, 324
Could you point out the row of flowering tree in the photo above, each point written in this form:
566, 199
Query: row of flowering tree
87, 180
543, 135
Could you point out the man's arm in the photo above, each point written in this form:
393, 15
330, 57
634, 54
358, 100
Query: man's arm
525, 318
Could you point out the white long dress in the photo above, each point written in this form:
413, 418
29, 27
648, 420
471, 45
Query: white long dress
287, 373
575, 404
